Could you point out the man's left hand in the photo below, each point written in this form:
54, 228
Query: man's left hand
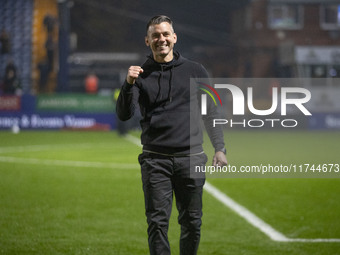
220, 159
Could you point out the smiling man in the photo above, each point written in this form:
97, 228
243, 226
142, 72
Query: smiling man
161, 86
161, 38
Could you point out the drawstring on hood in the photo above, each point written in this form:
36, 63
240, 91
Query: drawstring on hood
169, 99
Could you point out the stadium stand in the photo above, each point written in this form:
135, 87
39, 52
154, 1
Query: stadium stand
42, 9
16, 19
23, 21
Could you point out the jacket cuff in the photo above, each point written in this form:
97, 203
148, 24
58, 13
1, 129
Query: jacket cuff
221, 148
126, 86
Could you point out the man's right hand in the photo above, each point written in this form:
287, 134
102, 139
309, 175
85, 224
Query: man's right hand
133, 73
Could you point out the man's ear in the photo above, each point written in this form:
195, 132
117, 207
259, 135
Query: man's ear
147, 41
175, 37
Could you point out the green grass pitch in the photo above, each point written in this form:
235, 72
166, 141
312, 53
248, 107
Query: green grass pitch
81, 193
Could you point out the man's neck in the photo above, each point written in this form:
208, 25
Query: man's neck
164, 59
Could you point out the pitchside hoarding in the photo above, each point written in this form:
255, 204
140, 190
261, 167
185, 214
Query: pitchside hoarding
50, 121
74, 103
59, 111
10, 103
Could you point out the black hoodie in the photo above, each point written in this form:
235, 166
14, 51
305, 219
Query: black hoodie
164, 97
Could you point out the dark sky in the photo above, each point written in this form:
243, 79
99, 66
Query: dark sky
119, 25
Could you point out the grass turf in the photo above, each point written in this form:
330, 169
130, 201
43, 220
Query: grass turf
51, 208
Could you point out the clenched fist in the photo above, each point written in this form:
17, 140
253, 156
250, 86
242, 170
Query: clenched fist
133, 73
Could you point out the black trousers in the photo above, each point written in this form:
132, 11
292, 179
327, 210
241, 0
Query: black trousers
162, 176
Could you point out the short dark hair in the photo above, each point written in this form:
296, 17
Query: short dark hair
156, 20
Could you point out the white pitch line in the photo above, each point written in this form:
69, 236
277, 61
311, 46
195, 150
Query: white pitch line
133, 140
256, 221
317, 240
245, 213
11, 149
53, 162
250, 217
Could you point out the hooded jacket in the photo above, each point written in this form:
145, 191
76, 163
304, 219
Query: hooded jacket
170, 109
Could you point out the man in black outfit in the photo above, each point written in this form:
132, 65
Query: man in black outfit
161, 86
